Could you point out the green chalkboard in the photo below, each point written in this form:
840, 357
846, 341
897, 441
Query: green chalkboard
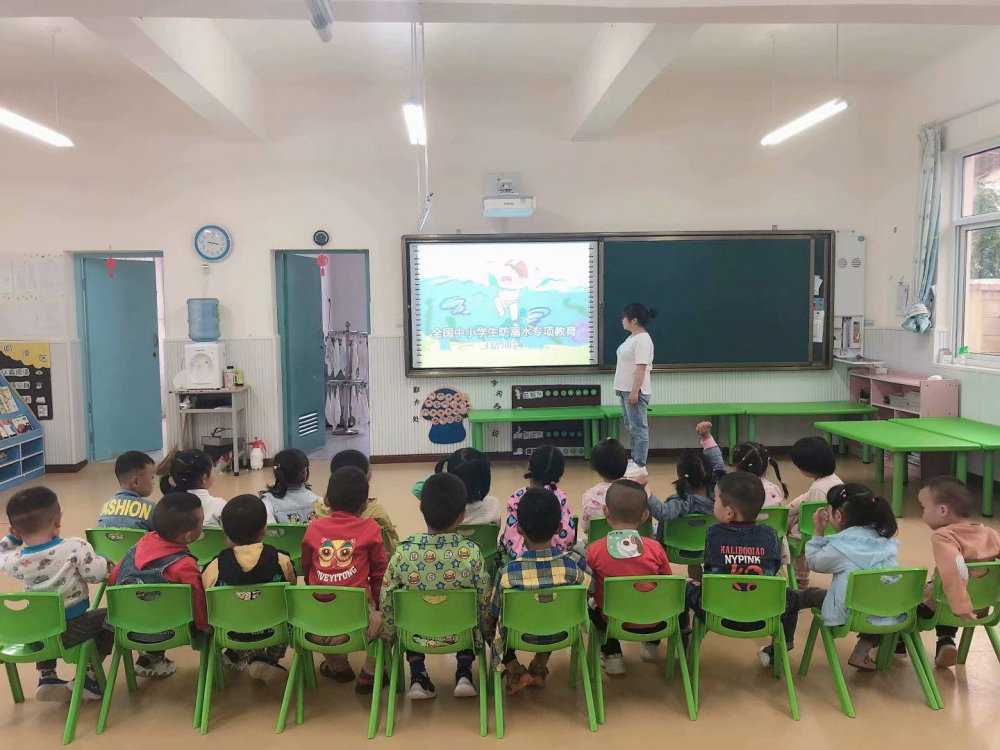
722, 301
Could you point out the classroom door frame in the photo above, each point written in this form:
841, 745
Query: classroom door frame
280, 312
80, 290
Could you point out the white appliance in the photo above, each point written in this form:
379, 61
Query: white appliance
204, 363
849, 294
507, 202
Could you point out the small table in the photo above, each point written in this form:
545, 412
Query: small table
591, 416
237, 405
809, 409
899, 439
986, 435
612, 415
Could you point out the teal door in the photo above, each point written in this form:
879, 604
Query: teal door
123, 357
300, 322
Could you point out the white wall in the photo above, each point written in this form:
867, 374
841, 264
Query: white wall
345, 293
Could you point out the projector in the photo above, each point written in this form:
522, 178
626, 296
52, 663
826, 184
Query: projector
507, 203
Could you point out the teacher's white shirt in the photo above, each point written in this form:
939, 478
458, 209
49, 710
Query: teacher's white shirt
637, 349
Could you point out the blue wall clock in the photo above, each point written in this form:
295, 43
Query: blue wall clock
213, 243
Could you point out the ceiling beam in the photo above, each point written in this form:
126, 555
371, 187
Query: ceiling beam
623, 60
537, 11
193, 60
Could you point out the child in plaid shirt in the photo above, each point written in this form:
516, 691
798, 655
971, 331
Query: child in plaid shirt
539, 566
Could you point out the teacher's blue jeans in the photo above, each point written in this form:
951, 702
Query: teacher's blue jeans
637, 424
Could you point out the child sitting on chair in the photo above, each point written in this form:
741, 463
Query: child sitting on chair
947, 508
439, 560
289, 499
344, 548
814, 457
162, 556
609, 459
131, 508
545, 470
540, 565
34, 554
698, 469
623, 553
373, 508
246, 562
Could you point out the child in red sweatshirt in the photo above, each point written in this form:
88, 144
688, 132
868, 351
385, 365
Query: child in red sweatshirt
344, 549
162, 556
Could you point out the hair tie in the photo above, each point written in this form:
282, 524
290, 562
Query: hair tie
844, 494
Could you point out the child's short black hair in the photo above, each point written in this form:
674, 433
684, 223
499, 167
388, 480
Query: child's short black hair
546, 465
31, 509
473, 468
951, 492
175, 515
743, 492
347, 489
814, 455
129, 462
244, 519
539, 514
350, 457
626, 501
442, 501
609, 459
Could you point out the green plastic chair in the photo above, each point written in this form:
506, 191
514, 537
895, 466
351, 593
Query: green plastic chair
797, 546
746, 599
287, 538
486, 537
422, 617
211, 543
599, 528
642, 600
327, 611
684, 538
984, 591
162, 610
885, 592
239, 610
776, 517
31, 626
559, 611
113, 544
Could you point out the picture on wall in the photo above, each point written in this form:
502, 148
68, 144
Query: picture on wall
7, 404
27, 366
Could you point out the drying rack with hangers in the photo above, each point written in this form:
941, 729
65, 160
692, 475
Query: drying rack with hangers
347, 384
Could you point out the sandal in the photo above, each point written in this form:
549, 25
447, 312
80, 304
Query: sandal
337, 675
537, 674
516, 678
862, 661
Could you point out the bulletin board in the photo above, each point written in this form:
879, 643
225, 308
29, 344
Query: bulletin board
27, 365
33, 292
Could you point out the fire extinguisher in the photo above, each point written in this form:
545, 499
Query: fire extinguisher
258, 451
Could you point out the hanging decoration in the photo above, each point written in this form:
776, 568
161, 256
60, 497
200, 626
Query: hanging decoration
321, 261
110, 264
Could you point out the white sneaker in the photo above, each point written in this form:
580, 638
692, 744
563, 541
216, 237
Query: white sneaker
648, 652
53, 690
421, 688
155, 668
266, 672
614, 664
636, 473
464, 688
766, 655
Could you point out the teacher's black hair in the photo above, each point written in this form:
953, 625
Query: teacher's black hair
639, 313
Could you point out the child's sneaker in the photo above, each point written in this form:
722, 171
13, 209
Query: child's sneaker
421, 687
233, 660
156, 666
614, 664
52, 689
636, 473
265, 671
91, 690
538, 671
464, 686
946, 654
647, 652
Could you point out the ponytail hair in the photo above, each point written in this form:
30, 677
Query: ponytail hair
183, 471
693, 471
639, 313
472, 467
546, 466
755, 458
291, 469
859, 506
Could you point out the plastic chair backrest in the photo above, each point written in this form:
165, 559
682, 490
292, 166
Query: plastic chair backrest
147, 609
436, 622
484, 535
574, 522
806, 512
557, 611
248, 609
684, 537
286, 537
984, 591
743, 599
113, 543
776, 517
328, 611
884, 593
600, 528
212, 542
643, 600
30, 626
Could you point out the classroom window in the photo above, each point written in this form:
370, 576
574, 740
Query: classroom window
981, 183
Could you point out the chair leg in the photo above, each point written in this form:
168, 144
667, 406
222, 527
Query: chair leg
129, 666
668, 669
220, 677
839, 683
596, 678
581, 660
928, 669
886, 650
696, 636
373, 714
74, 702
484, 690
793, 581
572, 660
918, 668
678, 645
109, 688
964, 644
309, 669
498, 703
14, 681
290, 685
200, 691
390, 707
98, 664
300, 695
210, 672
807, 652
781, 650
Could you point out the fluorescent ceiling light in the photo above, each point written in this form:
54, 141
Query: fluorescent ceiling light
321, 17
14, 121
416, 126
796, 126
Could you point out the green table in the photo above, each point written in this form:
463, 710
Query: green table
987, 436
591, 416
899, 439
612, 415
809, 409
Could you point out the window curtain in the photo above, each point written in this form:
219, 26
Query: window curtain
918, 316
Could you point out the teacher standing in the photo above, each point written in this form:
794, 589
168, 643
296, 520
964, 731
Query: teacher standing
632, 381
